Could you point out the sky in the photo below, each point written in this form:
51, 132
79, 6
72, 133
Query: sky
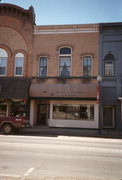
57, 12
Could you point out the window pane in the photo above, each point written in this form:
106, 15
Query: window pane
87, 112
87, 66
109, 68
43, 61
3, 53
59, 111
109, 57
43, 67
2, 70
65, 63
19, 65
73, 112
18, 70
43, 71
3, 64
65, 51
64, 71
65, 60
19, 55
87, 71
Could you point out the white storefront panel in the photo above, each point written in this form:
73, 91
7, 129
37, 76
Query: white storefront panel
81, 123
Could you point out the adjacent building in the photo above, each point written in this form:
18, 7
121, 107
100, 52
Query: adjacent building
111, 72
16, 39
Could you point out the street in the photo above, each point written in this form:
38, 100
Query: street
60, 158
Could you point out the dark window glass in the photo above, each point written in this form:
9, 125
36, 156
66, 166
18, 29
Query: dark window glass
65, 65
65, 51
87, 61
73, 112
43, 67
109, 65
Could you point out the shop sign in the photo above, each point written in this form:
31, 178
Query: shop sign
63, 90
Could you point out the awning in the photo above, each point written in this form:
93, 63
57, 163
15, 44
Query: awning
15, 88
63, 90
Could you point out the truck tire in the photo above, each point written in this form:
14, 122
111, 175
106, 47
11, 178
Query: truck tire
7, 128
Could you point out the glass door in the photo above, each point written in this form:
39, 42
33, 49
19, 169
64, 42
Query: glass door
41, 114
108, 117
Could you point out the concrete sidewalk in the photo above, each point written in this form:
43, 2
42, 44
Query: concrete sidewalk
56, 131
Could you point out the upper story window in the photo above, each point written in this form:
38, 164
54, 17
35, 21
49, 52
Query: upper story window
87, 64
43, 67
109, 65
65, 61
3, 62
19, 60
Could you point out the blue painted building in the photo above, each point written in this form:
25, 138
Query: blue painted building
111, 72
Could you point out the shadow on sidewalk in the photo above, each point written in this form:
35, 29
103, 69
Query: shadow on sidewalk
56, 131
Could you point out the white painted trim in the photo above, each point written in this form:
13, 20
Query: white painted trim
39, 66
82, 59
66, 31
32, 112
74, 123
61, 55
17, 66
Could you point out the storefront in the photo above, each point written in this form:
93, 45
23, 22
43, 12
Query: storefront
14, 97
64, 105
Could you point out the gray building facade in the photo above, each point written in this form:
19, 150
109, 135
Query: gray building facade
111, 72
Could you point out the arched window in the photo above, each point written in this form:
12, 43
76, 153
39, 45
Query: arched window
3, 62
109, 65
65, 61
43, 67
87, 64
19, 61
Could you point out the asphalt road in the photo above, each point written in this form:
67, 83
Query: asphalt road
60, 158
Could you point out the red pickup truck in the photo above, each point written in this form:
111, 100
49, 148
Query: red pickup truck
10, 124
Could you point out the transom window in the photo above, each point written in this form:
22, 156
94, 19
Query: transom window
109, 65
65, 62
19, 60
43, 67
3, 62
87, 63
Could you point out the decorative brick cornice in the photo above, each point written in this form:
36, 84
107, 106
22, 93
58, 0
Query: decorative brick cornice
66, 29
16, 11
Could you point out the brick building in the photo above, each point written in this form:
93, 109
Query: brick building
65, 67
51, 69
16, 39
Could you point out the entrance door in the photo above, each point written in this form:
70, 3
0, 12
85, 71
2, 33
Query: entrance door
108, 117
41, 114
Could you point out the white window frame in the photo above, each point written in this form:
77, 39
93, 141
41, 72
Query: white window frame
19, 55
64, 55
39, 66
83, 65
109, 68
3, 54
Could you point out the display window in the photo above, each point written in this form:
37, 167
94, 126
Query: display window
73, 112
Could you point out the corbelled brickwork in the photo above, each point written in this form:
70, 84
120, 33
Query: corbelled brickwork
16, 35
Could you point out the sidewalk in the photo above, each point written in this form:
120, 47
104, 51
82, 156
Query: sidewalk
56, 131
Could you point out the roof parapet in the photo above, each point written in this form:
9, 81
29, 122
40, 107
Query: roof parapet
13, 10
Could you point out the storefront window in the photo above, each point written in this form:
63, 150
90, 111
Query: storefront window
18, 109
3, 110
73, 112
